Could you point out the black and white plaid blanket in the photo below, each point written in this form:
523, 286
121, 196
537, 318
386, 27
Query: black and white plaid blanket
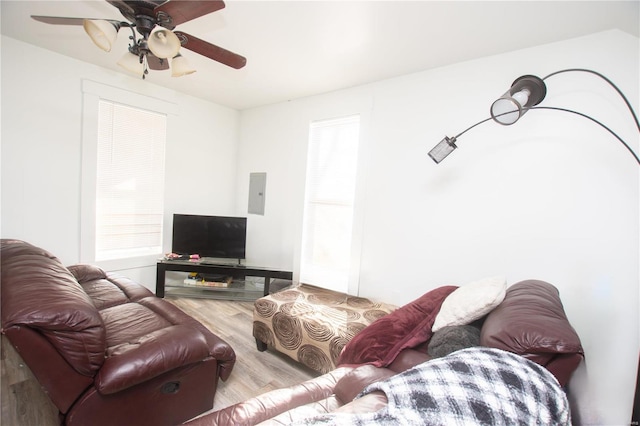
475, 386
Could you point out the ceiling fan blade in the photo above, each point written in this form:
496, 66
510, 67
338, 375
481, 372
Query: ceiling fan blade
122, 6
58, 20
182, 11
211, 50
156, 63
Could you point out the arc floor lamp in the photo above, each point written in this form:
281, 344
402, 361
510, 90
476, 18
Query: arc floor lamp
525, 94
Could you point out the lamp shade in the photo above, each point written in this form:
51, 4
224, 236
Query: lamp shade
525, 92
442, 149
180, 66
103, 33
163, 44
131, 62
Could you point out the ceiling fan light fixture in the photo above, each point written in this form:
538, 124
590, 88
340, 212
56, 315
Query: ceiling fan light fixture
153, 41
164, 44
180, 66
131, 62
102, 32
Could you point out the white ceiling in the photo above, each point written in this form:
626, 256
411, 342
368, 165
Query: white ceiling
300, 48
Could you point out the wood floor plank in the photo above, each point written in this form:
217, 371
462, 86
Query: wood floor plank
24, 403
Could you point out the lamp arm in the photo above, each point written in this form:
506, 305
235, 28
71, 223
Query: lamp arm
626, 145
626, 101
471, 127
595, 121
447, 145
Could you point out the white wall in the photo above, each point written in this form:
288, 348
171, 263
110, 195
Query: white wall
41, 151
553, 197
274, 140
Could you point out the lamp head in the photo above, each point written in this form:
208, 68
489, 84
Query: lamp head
102, 32
525, 92
163, 44
180, 66
442, 149
132, 63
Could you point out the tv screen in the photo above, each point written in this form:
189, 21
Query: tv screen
209, 236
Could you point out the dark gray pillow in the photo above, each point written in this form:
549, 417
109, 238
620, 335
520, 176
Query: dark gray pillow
452, 338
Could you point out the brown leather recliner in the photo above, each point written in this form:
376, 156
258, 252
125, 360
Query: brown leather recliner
104, 348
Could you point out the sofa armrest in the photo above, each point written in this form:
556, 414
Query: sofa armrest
531, 322
270, 404
157, 353
223, 353
369, 403
218, 348
349, 386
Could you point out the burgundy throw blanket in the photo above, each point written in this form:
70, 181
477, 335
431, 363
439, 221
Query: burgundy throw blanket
406, 327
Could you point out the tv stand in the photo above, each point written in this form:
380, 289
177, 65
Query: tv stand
214, 261
238, 290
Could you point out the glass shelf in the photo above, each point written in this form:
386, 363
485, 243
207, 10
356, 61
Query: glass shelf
229, 293
249, 282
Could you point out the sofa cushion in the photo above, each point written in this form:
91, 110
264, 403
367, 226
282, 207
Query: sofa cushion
531, 322
107, 289
40, 293
104, 294
406, 327
470, 302
452, 338
126, 323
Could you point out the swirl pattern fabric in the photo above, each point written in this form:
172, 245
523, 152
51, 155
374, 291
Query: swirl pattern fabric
311, 324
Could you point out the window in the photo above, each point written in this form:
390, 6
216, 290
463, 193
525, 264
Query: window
129, 181
329, 202
123, 158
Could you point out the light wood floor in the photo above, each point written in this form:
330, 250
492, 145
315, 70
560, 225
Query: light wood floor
25, 404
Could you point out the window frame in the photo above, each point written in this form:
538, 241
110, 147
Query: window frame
352, 273
92, 92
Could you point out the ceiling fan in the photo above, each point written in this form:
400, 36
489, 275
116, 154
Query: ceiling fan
155, 46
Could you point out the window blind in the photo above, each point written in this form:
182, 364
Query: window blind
129, 181
329, 198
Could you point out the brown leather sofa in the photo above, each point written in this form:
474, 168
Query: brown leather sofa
530, 322
104, 348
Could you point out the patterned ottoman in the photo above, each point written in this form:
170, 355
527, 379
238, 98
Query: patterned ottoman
311, 324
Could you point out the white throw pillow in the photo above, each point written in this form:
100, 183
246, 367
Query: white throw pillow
470, 302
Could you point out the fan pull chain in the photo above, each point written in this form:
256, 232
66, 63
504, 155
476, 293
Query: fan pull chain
145, 65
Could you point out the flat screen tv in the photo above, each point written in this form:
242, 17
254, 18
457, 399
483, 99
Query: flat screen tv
209, 236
